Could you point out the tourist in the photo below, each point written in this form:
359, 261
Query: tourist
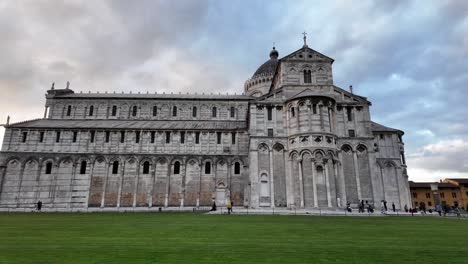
39, 205
393, 206
213, 207
385, 205
438, 209
348, 207
228, 205
406, 208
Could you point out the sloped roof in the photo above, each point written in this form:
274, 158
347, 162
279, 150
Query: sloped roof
381, 128
132, 124
306, 93
178, 96
459, 180
311, 50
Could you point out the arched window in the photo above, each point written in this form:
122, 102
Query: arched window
115, 167
293, 112
135, 111
69, 108
174, 111
91, 110
307, 76
194, 111
207, 167
114, 110
155, 110
214, 112
83, 167
233, 111
237, 168
177, 167
48, 168
146, 167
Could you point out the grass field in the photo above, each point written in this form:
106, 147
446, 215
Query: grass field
197, 238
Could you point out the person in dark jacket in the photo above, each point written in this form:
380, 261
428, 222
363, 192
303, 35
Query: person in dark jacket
393, 207
39, 205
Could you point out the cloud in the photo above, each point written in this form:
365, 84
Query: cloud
443, 159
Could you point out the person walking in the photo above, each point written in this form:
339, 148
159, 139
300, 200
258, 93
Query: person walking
39, 205
393, 206
229, 206
385, 205
406, 208
438, 209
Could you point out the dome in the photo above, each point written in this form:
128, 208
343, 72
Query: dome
269, 67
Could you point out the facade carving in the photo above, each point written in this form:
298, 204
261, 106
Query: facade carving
294, 140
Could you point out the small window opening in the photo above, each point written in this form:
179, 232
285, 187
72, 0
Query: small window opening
208, 167
115, 167
83, 167
237, 168
48, 168
146, 167
177, 167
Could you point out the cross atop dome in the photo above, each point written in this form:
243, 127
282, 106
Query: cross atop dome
305, 38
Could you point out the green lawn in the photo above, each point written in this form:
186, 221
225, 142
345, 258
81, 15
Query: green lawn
196, 238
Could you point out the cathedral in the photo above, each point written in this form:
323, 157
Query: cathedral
292, 140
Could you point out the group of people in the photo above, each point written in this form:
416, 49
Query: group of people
229, 205
366, 206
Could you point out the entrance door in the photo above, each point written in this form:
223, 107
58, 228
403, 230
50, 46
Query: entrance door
221, 195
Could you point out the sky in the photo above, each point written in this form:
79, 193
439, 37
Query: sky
409, 58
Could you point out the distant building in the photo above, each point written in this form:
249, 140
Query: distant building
452, 192
293, 140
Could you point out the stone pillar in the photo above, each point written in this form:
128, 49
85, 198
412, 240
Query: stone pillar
90, 181
54, 184
301, 183
153, 183
289, 186
122, 174
374, 177
3, 170
342, 183
135, 189
322, 125
272, 183
72, 182
200, 165
19, 183
229, 179
105, 186
337, 195
168, 182
356, 173
314, 183
184, 178
327, 182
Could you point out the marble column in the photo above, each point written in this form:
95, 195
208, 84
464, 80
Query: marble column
19, 184
272, 180
342, 183
301, 183
135, 188
122, 175
327, 183
356, 173
289, 186
153, 182
168, 182
314, 182
103, 194
184, 178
